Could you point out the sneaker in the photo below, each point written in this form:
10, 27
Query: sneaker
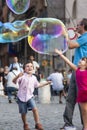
70, 128
26, 127
38, 126
66, 125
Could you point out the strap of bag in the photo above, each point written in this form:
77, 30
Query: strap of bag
14, 73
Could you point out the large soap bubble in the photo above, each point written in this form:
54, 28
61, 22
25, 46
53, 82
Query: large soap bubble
18, 6
46, 34
14, 32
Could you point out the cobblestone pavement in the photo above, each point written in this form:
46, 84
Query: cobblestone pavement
50, 116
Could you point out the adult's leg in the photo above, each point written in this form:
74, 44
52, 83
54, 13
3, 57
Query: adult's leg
60, 97
52, 93
14, 92
9, 94
70, 101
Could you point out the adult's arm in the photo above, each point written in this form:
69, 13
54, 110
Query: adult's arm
73, 45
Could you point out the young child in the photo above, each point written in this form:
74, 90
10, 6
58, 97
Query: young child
81, 79
27, 83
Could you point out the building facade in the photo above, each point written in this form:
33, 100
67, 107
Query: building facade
75, 10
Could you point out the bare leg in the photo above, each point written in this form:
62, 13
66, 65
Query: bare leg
61, 93
36, 115
70, 101
26, 127
64, 94
60, 97
38, 126
84, 114
23, 116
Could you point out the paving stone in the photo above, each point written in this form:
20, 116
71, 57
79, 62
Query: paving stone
51, 115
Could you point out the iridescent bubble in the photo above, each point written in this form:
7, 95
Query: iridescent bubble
18, 6
14, 32
46, 34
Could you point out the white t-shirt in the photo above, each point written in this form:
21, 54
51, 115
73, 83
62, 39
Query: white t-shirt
57, 81
1, 89
18, 66
10, 76
36, 65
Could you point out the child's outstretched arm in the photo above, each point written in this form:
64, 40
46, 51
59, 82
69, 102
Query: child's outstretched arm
74, 67
15, 79
43, 84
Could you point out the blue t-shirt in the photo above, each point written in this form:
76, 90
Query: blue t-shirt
81, 51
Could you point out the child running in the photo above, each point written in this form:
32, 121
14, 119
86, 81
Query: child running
27, 83
81, 79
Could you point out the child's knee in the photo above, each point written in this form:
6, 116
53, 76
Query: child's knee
34, 110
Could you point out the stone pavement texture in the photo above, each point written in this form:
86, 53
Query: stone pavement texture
50, 115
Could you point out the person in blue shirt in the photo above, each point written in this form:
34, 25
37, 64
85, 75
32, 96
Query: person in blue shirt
80, 47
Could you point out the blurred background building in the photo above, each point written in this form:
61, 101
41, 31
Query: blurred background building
69, 12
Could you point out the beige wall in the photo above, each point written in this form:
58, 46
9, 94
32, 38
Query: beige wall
70, 19
81, 9
74, 14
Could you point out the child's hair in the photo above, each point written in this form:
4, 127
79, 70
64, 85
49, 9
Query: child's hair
26, 63
85, 59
